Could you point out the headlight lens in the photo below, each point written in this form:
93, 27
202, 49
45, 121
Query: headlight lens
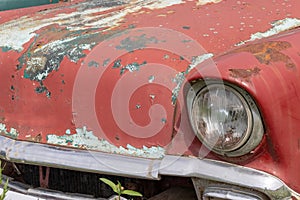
223, 118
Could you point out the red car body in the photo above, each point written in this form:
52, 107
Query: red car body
108, 79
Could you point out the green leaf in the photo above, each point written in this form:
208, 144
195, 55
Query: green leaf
132, 193
110, 183
119, 188
5, 190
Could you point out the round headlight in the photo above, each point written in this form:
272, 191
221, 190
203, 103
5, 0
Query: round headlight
223, 118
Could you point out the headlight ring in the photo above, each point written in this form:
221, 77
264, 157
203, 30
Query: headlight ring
224, 117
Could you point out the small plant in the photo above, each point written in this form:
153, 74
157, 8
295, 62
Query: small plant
119, 189
5, 186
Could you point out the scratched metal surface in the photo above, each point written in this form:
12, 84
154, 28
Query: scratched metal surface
67, 70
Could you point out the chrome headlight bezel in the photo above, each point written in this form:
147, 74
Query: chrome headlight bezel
255, 130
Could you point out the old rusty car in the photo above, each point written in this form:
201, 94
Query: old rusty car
195, 94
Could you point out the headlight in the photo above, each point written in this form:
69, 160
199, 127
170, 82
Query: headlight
224, 117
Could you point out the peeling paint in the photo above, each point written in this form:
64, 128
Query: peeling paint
151, 79
152, 96
197, 60
81, 30
87, 140
6, 49
15, 33
11, 133
47, 58
180, 77
35, 69
93, 64
163, 4
277, 27
203, 2
117, 64
42, 89
106, 62
132, 67
137, 42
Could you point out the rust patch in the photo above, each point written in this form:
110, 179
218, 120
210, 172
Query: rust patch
244, 74
269, 52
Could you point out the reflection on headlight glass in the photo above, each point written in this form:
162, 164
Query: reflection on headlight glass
220, 117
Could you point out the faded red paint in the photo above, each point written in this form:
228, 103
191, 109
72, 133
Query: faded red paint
259, 68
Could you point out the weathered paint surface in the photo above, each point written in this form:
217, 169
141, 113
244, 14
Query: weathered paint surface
85, 139
46, 49
277, 27
11, 133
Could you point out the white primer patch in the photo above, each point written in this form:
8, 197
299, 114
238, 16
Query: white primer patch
199, 59
203, 2
15, 33
86, 139
277, 27
12, 133
163, 3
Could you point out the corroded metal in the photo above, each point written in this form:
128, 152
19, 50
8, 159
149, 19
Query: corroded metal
269, 52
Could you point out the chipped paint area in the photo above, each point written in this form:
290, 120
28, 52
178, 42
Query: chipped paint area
43, 60
11, 133
87, 140
69, 35
197, 60
277, 27
180, 77
137, 42
163, 4
14, 34
203, 2
132, 67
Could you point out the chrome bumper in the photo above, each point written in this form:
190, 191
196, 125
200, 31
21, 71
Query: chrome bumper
113, 164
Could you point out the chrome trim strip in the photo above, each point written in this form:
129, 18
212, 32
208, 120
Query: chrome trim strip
81, 160
113, 164
229, 193
227, 173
